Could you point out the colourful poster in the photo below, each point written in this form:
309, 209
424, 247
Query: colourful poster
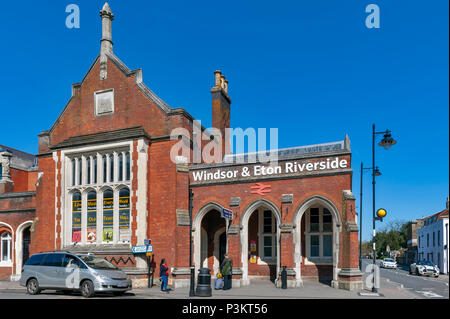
252, 245
108, 234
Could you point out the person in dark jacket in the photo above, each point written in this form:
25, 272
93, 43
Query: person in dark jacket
226, 268
163, 274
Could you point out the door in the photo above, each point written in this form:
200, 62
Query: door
51, 271
26, 245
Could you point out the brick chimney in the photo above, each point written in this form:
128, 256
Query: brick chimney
221, 109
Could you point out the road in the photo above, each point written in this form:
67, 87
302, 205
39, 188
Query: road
422, 286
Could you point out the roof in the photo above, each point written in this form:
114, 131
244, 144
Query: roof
435, 217
21, 160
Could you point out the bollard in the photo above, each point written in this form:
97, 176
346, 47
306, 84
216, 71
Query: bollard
204, 283
284, 278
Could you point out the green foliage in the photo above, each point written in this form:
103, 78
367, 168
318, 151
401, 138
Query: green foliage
394, 235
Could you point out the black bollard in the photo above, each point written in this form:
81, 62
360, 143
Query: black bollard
284, 278
204, 283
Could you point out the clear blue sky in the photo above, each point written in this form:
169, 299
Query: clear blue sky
310, 68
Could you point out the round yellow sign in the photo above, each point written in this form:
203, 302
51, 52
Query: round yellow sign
381, 212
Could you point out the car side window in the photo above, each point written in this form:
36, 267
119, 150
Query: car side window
35, 260
53, 260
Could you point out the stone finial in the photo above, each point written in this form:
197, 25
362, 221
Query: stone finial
5, 162
106, 42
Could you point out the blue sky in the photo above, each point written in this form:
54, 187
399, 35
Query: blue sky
310, 68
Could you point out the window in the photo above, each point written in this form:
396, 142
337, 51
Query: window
53, 260
315, 245
267, 235
319, 238
95, 170
428, 240
35, 260
111, 167
108, 216
314, 220
76, 217
5, 247
124, 215
434, 239
128, 171
105, 168
80, 172
73, 172
91, 230
439, 238
88, 170
120, 167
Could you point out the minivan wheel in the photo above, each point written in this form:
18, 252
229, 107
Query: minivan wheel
33, 287
87, 289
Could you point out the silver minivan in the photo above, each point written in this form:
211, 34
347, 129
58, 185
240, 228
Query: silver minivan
68, 272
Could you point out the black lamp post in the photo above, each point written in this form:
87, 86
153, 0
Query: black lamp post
386, 143
191, 289
377, 173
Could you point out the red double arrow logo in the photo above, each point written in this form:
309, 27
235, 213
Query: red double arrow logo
261, 189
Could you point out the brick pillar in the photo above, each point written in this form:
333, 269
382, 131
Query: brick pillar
181, 271
349, 276
234, 241
287, 240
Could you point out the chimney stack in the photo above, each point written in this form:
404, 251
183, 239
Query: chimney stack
221, 109
106, 42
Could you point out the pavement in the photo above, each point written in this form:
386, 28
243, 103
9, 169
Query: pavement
259, 289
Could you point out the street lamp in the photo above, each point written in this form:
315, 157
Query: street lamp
377, 173
191, 289
386, 143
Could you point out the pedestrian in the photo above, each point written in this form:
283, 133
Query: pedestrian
163, 274
226, 268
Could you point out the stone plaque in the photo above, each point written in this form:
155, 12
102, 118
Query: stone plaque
233, 230
104, 102
183, 217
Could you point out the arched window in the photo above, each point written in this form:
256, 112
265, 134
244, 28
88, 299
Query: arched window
76, 217
80, 172
95, 170
91, 230
111, 168
128, 171
120, 167
108, 216
88, 169
124, 215
73, 172
5, 247
105, 168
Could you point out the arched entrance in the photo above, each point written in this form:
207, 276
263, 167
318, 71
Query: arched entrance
316, 239
260, 238
209, 238
22, 245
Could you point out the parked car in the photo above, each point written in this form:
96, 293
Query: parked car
68, 272
424, 268
388, 263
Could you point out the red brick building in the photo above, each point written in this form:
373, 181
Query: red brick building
107, 183
18, 175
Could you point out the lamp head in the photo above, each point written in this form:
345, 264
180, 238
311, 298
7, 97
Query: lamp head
387, 141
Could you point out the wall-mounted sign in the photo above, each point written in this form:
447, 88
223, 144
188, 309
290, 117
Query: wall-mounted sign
261, 189
142, 249
257, 171
227, 214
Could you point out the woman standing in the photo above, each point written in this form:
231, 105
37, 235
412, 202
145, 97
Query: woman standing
163, 274
226, 269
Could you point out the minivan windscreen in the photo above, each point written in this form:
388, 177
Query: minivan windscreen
97, 263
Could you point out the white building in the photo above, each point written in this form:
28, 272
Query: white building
433, 240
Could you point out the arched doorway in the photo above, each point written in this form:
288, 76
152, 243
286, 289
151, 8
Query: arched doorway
316, 239
22, 247
260, 238
209, 238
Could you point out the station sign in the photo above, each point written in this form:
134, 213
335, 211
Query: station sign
142, 249
227, 214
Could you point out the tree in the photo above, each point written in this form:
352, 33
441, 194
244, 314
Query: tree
394, 235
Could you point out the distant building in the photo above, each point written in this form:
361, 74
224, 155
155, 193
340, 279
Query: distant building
433, 239
411, 252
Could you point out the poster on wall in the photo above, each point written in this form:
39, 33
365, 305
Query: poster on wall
108, 234
252, 245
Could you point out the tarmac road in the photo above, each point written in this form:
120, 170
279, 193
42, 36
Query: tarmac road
422, 286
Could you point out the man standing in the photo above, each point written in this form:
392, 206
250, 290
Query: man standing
226, 268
